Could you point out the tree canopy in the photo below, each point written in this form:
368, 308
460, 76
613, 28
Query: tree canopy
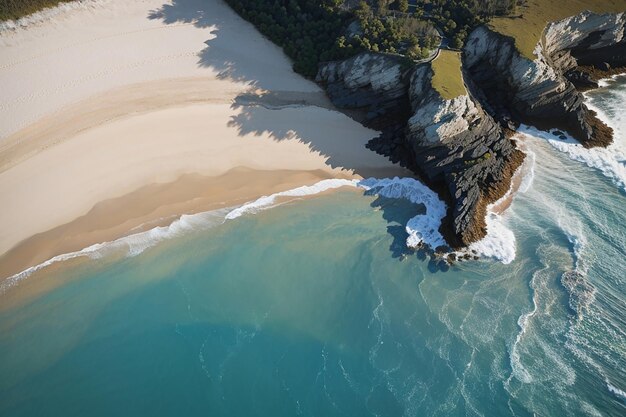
314, 31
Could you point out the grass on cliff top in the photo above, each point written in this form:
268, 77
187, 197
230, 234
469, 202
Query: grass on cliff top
447, 76
536, 14
14, 9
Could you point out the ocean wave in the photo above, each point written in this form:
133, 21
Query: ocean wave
131, 245
500, 240
518, 370
49, 13
581, 292
135, 244
610, 161
528, 171
607, 82
620, 394
269, 201
423, 228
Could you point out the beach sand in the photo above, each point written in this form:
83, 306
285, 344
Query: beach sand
120, 116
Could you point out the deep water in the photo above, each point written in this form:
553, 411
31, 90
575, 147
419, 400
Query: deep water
316, 308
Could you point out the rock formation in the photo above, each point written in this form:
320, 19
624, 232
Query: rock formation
537, 91
461, 147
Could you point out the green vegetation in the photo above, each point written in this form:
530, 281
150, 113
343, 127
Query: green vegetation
307, 30
381, 31
526, 28
457, 18
483, 157
314, 31
14, 9
447, 76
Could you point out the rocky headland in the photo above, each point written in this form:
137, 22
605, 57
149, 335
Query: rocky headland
462, 146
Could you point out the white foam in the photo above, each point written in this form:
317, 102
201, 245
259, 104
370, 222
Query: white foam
616, 391
610, 161
49, 13
528, 173
135, 244
500, 240
131, 245
606, 82
269, 201
423, 228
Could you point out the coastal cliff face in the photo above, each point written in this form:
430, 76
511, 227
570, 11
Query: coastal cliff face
538, 91
375, 84
461, 147
454, 145
458, 145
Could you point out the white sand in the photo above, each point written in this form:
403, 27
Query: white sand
88, 51
100, 101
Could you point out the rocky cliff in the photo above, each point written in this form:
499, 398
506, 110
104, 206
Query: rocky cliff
538, 91
461, 147
454, 145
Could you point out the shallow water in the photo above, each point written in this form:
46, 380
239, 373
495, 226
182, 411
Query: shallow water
316, 308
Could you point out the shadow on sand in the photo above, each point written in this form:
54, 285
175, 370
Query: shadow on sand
236, 52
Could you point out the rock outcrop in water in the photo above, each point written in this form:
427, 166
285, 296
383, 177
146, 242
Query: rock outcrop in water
461, 147
454, 145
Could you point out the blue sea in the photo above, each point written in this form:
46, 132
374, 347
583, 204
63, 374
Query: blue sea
315, 307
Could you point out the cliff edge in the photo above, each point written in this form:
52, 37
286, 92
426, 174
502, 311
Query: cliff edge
460, 144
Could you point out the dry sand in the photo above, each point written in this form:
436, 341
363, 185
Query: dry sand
131, 113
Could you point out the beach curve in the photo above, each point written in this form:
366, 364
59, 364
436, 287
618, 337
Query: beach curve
225, 122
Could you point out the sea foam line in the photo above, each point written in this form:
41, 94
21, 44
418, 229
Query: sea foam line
620, 394
131, 245
422, 229
610, 161
135, 244
306, 190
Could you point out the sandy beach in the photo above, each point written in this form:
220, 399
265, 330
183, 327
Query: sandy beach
118, 116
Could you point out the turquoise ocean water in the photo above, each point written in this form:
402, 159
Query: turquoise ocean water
316, 308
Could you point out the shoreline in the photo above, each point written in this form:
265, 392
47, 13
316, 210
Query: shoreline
152, 206
123, 118
178, 173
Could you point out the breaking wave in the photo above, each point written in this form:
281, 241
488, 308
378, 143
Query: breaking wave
500, 240
306, 190
621, 395
422, 229
131, 245
610, 161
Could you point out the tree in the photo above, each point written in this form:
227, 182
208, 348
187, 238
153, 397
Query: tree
403, 6
383, 6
